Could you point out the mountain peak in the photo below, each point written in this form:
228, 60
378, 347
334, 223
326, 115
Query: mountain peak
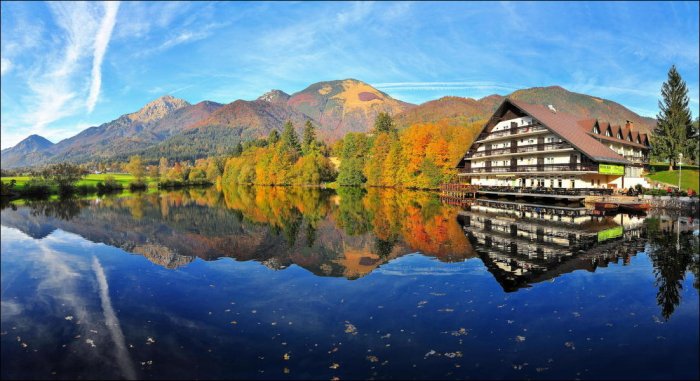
34, 143
158, 108
274, 96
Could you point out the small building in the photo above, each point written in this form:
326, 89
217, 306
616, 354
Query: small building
529, 146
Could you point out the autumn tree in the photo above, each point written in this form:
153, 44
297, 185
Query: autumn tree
136, 168
163, 167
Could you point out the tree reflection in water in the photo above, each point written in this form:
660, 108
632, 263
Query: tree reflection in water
345, 233
672, 255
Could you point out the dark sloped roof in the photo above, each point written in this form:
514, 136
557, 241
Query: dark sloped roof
567, 126
588, 124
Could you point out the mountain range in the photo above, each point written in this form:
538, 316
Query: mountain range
173, 128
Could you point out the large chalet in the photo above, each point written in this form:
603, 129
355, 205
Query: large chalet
534, 147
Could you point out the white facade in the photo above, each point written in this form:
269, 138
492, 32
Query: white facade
534, 156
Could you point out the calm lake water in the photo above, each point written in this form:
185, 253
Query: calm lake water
302, 283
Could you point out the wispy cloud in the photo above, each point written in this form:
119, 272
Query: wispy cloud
101, 42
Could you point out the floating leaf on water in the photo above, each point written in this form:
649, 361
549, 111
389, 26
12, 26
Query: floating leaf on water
350, 328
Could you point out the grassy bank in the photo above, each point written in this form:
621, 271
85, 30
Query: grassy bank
90, 180
689, 178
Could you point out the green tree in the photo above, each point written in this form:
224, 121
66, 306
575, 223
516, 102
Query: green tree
65, 175
136, 168
308, 140
273, 137
289, 138
352, 159
384, 123
674, 131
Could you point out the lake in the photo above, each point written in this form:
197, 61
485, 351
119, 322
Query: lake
295, 283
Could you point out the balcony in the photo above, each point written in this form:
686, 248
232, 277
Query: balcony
636, 159
519, 149
513, 131
531, 168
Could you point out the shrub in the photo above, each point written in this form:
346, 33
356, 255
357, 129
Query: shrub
137, 185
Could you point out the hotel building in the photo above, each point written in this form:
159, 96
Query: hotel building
534, 147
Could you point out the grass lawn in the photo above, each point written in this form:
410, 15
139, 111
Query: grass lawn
91, 179
689, 178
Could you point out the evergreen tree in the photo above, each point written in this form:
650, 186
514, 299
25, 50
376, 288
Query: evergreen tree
273, 137
384, 123
674, 131
308, 140
289, 138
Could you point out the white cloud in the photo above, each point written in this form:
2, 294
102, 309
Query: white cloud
5, 66
101, 42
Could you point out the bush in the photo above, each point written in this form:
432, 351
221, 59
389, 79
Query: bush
109, 185
137, 185
36, 188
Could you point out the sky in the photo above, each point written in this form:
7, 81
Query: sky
69, 66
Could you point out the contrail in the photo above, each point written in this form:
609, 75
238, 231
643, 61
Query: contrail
112, 322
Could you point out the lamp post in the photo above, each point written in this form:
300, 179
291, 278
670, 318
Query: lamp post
680, 170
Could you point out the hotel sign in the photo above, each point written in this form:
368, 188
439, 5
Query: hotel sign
610, 233
611, 169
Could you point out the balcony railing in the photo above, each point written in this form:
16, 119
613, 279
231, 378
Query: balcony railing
531, 168
520, 149
636, 158
512, 131
547, 191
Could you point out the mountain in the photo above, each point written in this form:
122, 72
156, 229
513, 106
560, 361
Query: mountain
583, 106
458, 110
344, 106
171, 127
30, 151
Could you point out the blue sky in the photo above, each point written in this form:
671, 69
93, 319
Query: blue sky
68, 66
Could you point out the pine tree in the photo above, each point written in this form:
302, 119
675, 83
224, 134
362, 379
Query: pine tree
308, 140
273, 137
674, 131
289, 138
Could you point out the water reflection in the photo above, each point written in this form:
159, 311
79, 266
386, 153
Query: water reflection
351, 232
86, 309
346, 234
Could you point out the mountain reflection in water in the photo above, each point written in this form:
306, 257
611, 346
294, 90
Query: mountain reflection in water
351, 232
492, 291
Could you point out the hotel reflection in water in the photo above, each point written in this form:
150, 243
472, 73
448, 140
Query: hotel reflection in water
525, 243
